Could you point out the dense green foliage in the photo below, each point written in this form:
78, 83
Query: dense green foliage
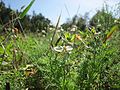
86, 58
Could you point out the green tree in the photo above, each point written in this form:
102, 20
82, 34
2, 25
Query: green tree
80, 22
39, 22
103, 20
26, 23
4, 13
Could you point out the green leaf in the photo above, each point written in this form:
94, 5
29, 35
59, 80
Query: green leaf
67, 35
93, 30
26, 9
73, 37
113, 29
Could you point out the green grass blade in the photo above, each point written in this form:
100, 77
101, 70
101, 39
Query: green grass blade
58, 22
56, 27
113, 29
26, 9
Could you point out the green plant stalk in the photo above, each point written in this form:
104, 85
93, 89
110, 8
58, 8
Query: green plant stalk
51, 63
22, 31
64, 69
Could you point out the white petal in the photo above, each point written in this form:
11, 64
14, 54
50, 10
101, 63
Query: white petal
69, 48
58, 49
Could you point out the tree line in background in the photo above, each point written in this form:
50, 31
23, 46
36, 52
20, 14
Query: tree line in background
102, 20
30, 23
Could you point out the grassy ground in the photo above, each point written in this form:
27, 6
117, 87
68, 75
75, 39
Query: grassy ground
87, 63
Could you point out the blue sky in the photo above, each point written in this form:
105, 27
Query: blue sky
52, 8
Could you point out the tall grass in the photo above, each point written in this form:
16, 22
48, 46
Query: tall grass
81, 60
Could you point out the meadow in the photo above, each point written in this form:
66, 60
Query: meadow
61, 59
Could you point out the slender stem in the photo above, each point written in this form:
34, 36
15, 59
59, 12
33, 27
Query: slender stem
21, 28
